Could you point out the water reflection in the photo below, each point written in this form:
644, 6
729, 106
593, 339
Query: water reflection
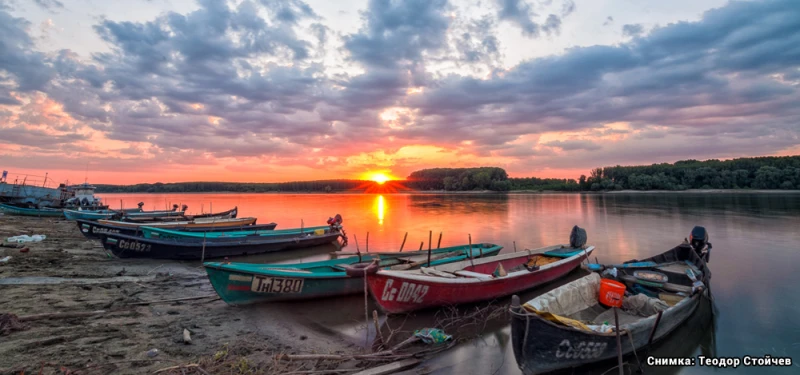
380, 207
755, 238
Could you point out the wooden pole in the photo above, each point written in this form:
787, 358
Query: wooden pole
366, 308
619, 343
515, 246
203, 256
302, 225
367, 241
404, 242
439, 244
470, 251
430, 239
421, 243
357, 250
429, 249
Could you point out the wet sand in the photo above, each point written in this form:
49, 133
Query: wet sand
70, 273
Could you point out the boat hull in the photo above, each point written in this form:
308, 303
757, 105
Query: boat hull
541, 346
240, 288
242, 284
88, 215
208, 223
550, 347
20, 211
95, 230
396, 294
124, 246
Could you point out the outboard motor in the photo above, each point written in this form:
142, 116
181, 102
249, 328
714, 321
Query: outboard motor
184, 207
141, 204
335, 221
699, 242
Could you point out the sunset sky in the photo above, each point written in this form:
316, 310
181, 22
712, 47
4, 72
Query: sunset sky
280, 90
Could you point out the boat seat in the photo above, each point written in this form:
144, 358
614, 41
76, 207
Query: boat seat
435, 272
481, 276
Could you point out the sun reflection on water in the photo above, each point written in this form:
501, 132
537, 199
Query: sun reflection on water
380, 207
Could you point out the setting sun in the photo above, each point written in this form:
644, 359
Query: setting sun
378, 177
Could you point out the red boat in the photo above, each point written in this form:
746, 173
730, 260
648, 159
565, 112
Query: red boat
472, 280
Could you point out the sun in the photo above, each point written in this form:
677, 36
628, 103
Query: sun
378, 177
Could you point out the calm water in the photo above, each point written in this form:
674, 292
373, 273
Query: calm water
756, 238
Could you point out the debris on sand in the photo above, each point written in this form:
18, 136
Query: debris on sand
10, 323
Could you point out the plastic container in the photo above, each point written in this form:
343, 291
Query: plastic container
611, 293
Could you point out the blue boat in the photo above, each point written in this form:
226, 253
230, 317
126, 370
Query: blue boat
153, 232
23, 211
244, 283
89, 215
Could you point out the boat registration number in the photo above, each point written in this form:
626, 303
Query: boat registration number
276, 285
583, 350
408, 292
134, 245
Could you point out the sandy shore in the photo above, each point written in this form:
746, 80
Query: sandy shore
69, 273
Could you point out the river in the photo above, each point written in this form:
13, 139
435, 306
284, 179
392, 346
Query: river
755, 237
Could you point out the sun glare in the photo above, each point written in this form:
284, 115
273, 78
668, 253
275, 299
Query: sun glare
379, 178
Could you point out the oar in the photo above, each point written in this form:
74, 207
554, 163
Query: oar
402, 267
600, 267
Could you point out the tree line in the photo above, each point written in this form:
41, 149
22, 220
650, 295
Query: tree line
206, 187
459, 179
780, 172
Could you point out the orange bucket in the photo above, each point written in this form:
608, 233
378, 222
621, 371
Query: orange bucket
611, 293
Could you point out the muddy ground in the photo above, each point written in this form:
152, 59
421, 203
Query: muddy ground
70, 273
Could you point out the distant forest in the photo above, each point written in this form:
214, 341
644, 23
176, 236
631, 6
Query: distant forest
205, 187
743, 173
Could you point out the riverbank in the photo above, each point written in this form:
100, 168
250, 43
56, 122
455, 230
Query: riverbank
67, 273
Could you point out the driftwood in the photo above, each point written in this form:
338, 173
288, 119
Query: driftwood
173, 300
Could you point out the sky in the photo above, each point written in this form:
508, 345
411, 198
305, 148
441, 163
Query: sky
283, 90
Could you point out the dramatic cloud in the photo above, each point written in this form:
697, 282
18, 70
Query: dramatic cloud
49, 4
632, 30
520, 13
278, 90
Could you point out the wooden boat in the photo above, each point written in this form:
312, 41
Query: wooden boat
206, 222
23, 211
151, 232
561, 329
90, 214
125, 246
179, 216
93, 229
472, 280
243, 283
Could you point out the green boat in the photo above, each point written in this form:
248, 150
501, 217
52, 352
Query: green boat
246, 283
152, 232
22, 211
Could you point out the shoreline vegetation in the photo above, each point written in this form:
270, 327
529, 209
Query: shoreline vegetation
759, 174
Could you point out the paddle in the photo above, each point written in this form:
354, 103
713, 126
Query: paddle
402, 267
600, 267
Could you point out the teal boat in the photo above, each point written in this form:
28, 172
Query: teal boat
246, 283
152, 232
22, 211
89, 214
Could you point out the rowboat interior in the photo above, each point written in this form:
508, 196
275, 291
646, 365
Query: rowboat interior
504, 265
577, 304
